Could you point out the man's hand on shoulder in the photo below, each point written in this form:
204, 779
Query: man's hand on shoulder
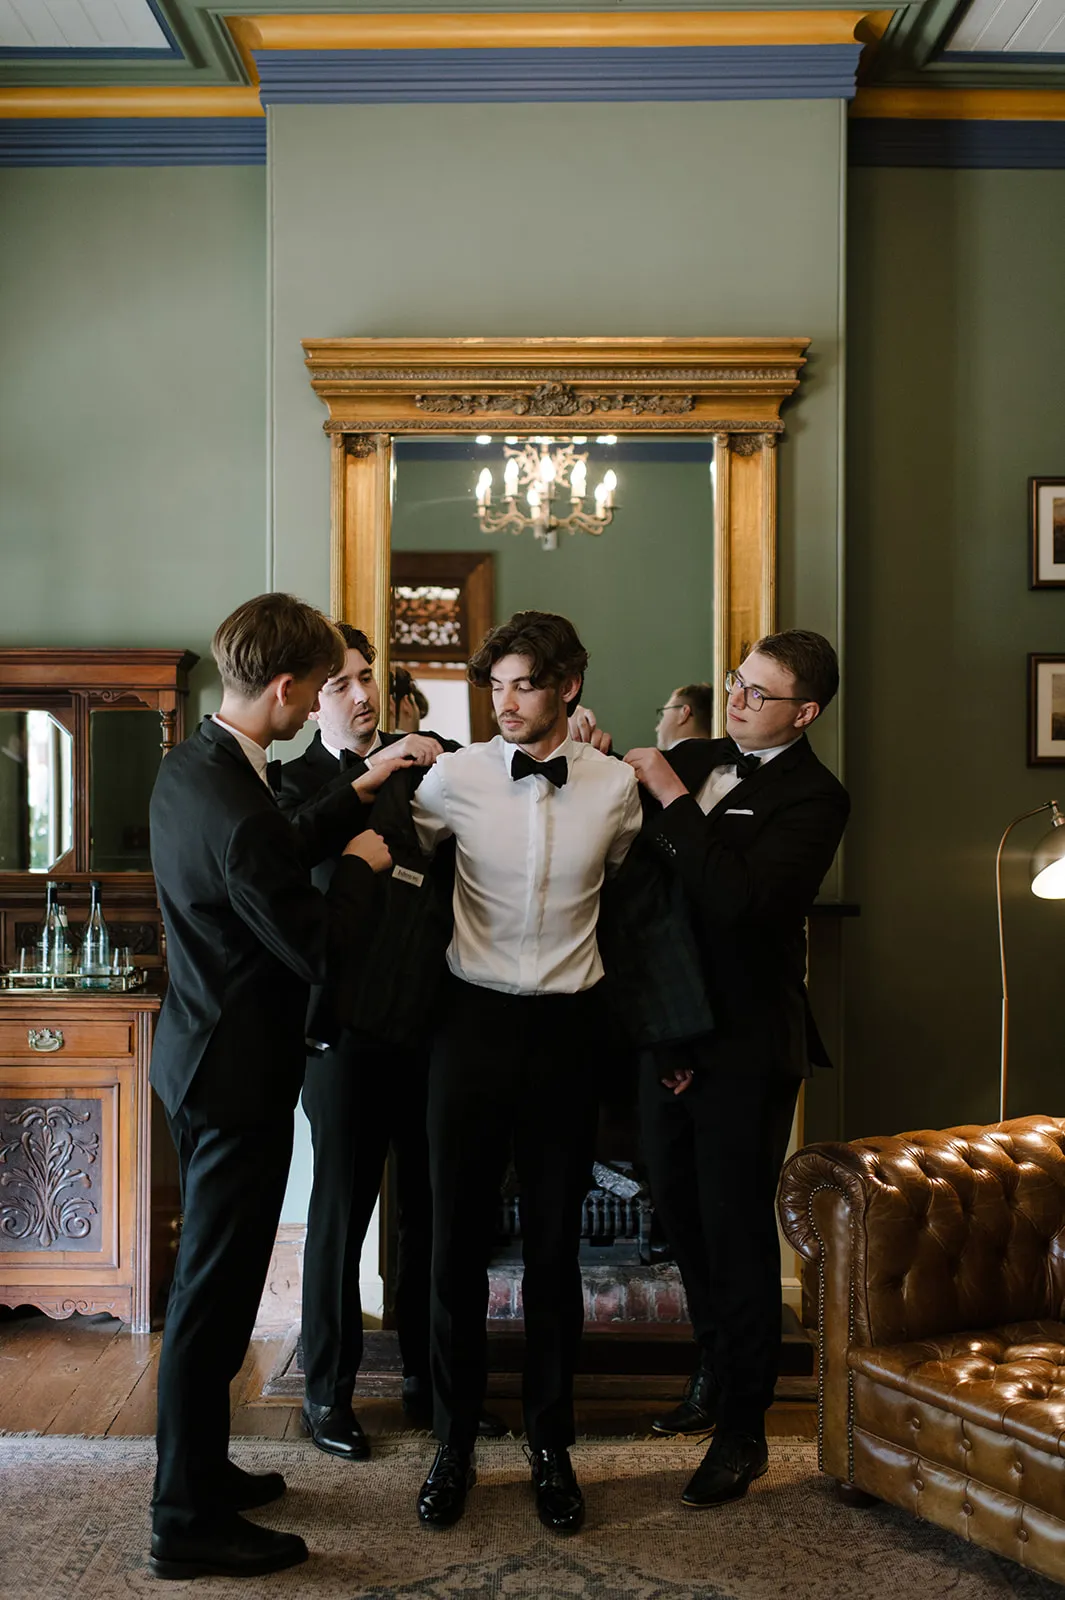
413, 750
583, 729
371, 848
656, 775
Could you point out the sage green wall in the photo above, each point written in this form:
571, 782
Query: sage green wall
132, 404
627, 611
957, 350
659, 219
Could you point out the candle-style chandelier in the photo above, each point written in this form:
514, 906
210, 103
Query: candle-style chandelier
543, 472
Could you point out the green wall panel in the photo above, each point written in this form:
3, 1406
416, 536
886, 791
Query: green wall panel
957, 348
132, 404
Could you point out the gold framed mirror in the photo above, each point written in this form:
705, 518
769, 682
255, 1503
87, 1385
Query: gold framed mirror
728, 390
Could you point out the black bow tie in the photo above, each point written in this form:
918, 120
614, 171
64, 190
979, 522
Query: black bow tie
556, 770
745, 764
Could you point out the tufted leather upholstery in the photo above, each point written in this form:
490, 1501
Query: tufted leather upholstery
939, 1260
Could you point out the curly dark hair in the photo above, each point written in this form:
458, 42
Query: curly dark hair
548, 642
355, 639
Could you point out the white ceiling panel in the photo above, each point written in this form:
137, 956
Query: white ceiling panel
1023, 27
80, 25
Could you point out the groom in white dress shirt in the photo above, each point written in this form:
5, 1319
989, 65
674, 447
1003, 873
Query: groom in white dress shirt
537, 820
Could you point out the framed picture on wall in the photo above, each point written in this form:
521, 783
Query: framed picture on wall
1046, 532
1046, 711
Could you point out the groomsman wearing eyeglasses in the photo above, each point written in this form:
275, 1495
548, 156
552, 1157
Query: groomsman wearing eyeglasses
750, 824
687, 714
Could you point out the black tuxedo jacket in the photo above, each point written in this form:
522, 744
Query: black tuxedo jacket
386, 994
307, 784
751, 870
246, 931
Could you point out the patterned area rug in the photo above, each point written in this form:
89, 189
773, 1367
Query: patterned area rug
74, 1522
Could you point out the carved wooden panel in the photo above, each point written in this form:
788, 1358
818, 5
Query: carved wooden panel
50, 1174
428, 622
88, 1175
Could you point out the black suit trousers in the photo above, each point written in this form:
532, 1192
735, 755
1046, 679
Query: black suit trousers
510, 1073
232, 1185
361, 1099
714, 1155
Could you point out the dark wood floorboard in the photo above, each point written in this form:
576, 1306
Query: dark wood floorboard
90, 1376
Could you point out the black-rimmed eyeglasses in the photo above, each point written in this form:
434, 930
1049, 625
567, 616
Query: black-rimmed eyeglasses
753, 697
660, 711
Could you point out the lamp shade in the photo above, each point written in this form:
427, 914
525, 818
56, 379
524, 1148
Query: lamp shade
1048, 862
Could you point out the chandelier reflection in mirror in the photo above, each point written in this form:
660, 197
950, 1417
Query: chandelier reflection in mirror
547, 474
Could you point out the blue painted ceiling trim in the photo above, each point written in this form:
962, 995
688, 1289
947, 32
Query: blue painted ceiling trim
133, 142
899, 142
741, 72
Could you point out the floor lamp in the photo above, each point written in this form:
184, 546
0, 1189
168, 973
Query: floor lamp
1047, 871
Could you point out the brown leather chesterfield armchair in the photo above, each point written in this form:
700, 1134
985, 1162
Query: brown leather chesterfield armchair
939, 1266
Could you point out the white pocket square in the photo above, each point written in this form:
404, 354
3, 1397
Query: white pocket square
738, 811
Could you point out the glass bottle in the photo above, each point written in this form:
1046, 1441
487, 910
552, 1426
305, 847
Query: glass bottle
53, 947
95, 941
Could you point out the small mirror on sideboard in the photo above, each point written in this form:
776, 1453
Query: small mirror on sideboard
36, 791
124, 756
82, 733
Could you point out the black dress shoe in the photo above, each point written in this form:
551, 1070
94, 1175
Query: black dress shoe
558, 1494
442, 1497
335, 1430
417, 1402
697, 1412
248, 1490
238, 1550
489, 1426
727, 1470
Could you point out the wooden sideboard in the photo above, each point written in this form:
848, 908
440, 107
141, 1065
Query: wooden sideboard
89, 1198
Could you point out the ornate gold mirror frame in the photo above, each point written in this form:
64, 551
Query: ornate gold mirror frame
732, 389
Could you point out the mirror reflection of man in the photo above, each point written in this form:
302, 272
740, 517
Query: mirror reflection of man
687, 714
409, 705
750, 825
363, 1097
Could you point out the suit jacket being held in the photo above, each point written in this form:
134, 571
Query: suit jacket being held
386, 993
751, 870
246, 931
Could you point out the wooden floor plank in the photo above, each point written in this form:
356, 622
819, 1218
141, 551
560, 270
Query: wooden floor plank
97, 1401
137, 1416
25, 1345
90, 1377
72, 1350
269, 1421
261, 1359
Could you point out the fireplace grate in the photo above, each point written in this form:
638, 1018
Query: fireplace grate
608, 1221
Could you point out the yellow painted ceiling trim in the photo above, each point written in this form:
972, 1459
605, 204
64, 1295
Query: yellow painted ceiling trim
545, 30
118, 102
962, 105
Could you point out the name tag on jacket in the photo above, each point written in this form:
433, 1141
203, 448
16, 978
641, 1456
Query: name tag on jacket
738, 811
405, 875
